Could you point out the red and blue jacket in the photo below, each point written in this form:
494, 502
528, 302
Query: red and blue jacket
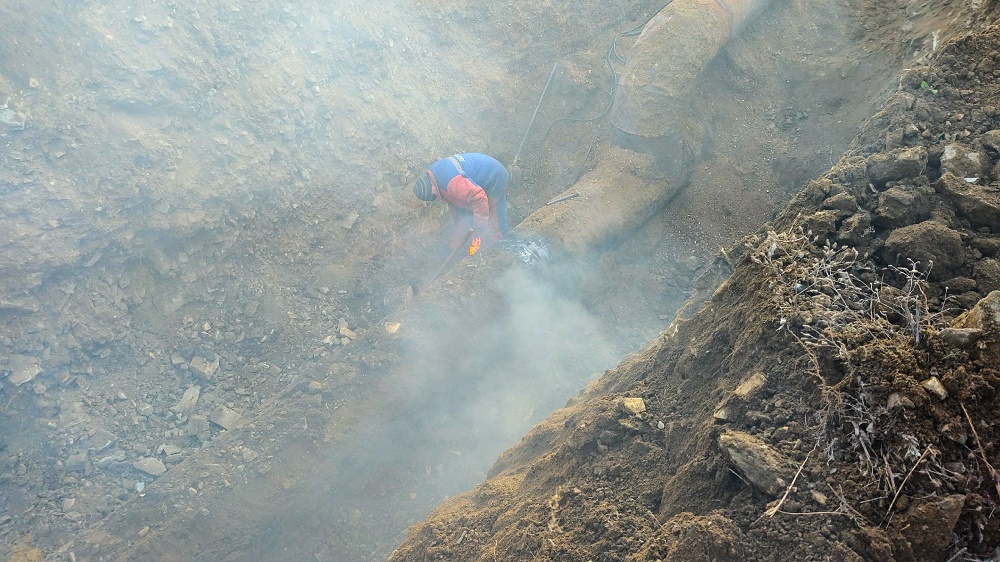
474, 186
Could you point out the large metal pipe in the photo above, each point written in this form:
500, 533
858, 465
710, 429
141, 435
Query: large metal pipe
654, 103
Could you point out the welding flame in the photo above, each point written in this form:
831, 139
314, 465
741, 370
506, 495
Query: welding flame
474, 247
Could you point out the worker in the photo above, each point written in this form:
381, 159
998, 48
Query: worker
475, 187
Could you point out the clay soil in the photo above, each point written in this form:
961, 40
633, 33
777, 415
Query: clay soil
206, 226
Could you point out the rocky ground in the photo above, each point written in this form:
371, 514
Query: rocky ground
205, 222
834, 398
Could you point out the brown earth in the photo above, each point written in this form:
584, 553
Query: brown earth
215, 197
794, 415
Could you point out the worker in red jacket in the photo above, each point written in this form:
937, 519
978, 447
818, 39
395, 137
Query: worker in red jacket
475, 187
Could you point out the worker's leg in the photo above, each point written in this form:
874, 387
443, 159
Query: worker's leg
501, 212
497, 192
495, 232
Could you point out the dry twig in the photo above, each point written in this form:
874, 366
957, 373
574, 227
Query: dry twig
982, 453
777, 507
899, 491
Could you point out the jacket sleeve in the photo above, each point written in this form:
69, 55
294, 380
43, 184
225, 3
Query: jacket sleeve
467, 195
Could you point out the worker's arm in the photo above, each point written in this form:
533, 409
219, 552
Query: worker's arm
464, 193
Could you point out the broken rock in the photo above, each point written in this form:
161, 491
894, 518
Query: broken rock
197, 426
102, 440
903, 205
150, 466
934, 386
762, 466
634, 406
979, 205
76, 462
958, 160
987, 275
899, 164
985, 316
168, 450
963, 338
224, 418
926, 242
203, 369
928, 526
750, 385
23, 368
189, 400
115, 462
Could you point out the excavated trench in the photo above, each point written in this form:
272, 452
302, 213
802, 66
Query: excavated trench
223, 247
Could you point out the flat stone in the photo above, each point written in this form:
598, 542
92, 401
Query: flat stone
976, 203
634, 406
899, 164
348, 222
203, 368
224, 417
750, 385
168, 450
963, 338
763, 467
12, 118
110, 461
934, 386
189, 400
23, 368
197, 426
102, 440
149, 465
173, 459
961, 161
76, 462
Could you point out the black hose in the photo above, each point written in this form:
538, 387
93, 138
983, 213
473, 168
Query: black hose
612, 51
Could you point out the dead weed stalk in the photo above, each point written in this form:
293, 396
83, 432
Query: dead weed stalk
831, 301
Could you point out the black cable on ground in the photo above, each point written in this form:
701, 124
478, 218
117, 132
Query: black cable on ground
612, 51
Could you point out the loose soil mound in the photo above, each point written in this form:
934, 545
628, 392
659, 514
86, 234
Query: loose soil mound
834, 400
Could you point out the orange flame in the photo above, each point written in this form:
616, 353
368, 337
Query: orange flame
474, 247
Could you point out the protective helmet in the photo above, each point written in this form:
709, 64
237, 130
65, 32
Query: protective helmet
422, 188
